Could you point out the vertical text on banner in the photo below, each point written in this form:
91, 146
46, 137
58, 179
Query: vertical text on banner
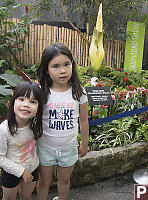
134, 46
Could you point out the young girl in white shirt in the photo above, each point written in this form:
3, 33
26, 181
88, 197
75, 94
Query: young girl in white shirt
18, 135
65, 104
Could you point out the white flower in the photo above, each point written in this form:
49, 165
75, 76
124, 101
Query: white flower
127, 96
94, 81
132, 106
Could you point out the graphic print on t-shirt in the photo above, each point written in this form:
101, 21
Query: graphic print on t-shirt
26, 148
61, 115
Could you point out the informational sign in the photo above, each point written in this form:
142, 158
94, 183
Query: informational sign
134, 46
99, 96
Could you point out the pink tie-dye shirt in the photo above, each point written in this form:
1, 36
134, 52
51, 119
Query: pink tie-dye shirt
17, 152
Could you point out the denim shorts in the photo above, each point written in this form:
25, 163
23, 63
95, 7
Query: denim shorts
65, 158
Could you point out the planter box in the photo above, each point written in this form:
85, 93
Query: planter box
100, 165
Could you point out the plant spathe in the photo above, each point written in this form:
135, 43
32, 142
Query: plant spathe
96, 50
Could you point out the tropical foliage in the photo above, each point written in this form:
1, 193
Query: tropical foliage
128, 90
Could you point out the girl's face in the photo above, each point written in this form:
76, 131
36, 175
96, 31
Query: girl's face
60, 70
25, 109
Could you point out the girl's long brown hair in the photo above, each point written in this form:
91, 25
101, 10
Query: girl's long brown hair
25, 89
49, 53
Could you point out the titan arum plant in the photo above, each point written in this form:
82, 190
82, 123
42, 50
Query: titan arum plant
96, 50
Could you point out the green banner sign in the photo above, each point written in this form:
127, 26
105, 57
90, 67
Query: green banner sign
134, 46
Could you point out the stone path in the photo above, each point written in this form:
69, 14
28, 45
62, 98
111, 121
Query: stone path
117, 188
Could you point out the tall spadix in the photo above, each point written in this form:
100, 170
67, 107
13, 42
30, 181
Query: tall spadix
96, 50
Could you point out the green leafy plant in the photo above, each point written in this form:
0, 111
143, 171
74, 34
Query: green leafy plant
10, 81
10, 43
122, 132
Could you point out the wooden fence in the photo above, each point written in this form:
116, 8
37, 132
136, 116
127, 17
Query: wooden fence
42, 35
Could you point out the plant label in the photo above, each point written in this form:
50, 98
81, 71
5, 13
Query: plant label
99, 96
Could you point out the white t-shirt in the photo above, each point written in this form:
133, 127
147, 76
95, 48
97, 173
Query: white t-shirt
60, 120
17, 152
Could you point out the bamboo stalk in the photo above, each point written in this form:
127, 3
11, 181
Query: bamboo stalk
70, 36
50, 34
87, 47
41, 42
37, 42
60, 35
30, 42
33, 46
83, 51
57, 34
44, 37
119, 63
108, 49
88, 61
21, 38
79, 50
73, 42
25, 48
65, 37
105, 52
75, 45
26, 51
47, 35
54, 34
123, 51
111, 52
115, 52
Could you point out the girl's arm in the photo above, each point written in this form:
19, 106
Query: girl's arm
7, 164
84, 128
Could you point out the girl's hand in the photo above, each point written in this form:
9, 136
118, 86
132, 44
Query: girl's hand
27, 176
83, 149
